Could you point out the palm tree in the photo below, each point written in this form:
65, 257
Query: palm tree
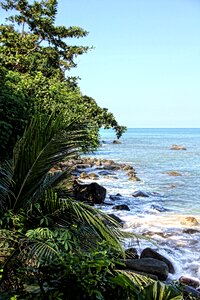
33, 217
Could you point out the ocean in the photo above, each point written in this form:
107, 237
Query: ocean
172, 198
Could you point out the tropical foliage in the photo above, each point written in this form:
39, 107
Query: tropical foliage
53, 247
35, 58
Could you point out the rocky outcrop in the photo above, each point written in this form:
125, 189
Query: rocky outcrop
140, 194
173, 173
178, 147
115, 197
91, 193
121, 207
148, 252
148, 266
189, 281
116, 142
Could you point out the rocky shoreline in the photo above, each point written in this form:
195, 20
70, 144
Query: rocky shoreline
149, 262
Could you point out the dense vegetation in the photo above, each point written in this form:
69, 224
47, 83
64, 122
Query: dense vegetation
52, 247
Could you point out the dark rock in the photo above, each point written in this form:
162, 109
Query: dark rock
91, 193
140, 194
105, 173
150, 253
121, 207
116, 142
148, 266
116, 218
178, 147
158, 208
83, 166
189, 281
191, 231
131, 253
115, 197
112, 167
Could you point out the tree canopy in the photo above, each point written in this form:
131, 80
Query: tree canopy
35, 56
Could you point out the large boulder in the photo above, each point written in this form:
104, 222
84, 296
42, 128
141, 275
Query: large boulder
91, 193
140, 194
148, 266
121, 207
148, 252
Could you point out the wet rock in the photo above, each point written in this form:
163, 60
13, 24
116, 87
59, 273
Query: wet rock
91, 193
105, 173
173, 173
116, 142
158, 208
83, 166
84, 175
190, 221
108, 162
134, 178
191, 231
140, 194
131, 253
115, 197
131, 173
121, 207
93, 176
178, 147
148, 266
112, 167
128, 168
148, 252
189, 281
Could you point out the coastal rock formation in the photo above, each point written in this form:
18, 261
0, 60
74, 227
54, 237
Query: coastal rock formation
140, 194
121, 207
92, 193
190, 221
148, 252
148, 266
115, 197
116, 142
93, 176
189, 281
178, 147
173, 173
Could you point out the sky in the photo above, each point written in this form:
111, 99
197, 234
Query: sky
145, 65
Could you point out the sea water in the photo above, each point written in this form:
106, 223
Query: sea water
172, 198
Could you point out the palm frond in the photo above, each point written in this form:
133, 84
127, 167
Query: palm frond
6, 173
43, 145
97, 222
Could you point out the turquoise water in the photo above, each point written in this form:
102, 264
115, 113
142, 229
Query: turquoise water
173, 198
148, 150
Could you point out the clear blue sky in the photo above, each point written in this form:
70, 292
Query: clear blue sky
146, 63
145, 67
